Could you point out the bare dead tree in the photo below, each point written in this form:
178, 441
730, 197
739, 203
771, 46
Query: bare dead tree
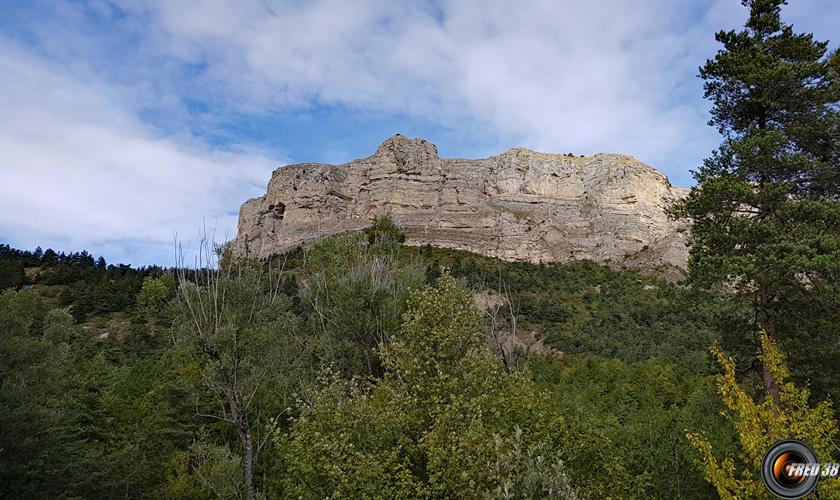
224, 331
502, 324
502, 330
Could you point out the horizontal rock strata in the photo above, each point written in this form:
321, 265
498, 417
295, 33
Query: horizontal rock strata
519, 205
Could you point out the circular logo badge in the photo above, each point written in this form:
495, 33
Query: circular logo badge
788, 469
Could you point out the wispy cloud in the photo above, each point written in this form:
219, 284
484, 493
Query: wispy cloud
584, 76
79, 170
127, 119
587, 76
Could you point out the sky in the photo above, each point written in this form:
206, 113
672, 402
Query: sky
128, 125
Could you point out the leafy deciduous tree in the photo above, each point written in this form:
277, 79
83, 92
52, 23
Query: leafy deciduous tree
759, 424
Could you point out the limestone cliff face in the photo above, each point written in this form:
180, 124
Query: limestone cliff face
519, 205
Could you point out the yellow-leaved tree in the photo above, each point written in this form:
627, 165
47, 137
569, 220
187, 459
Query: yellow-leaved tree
759, 424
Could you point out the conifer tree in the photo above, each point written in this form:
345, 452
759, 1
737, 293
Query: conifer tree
765, 210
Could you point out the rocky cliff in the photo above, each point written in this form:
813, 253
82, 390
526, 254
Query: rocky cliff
519, 205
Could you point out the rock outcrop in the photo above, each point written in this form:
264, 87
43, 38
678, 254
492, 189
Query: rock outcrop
519, 205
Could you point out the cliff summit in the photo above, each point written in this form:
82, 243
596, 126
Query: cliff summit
519, 205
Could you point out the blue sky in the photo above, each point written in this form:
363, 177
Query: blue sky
130, 123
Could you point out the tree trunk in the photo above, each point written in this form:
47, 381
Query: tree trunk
243, 428
247, 460
771, 387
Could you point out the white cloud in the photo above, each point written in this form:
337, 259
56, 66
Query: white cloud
79, 171
586, 76
599, 75
80, 168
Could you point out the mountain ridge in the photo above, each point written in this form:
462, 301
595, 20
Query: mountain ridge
518, 205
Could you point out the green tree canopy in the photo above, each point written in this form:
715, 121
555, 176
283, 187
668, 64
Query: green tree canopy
765, 211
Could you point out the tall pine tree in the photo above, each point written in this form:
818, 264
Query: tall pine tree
766, 209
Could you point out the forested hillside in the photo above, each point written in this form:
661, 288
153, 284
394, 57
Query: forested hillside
133, 413
359, 367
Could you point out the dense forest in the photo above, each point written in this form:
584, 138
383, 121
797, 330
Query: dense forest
363, 368
360, 367
323, 343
